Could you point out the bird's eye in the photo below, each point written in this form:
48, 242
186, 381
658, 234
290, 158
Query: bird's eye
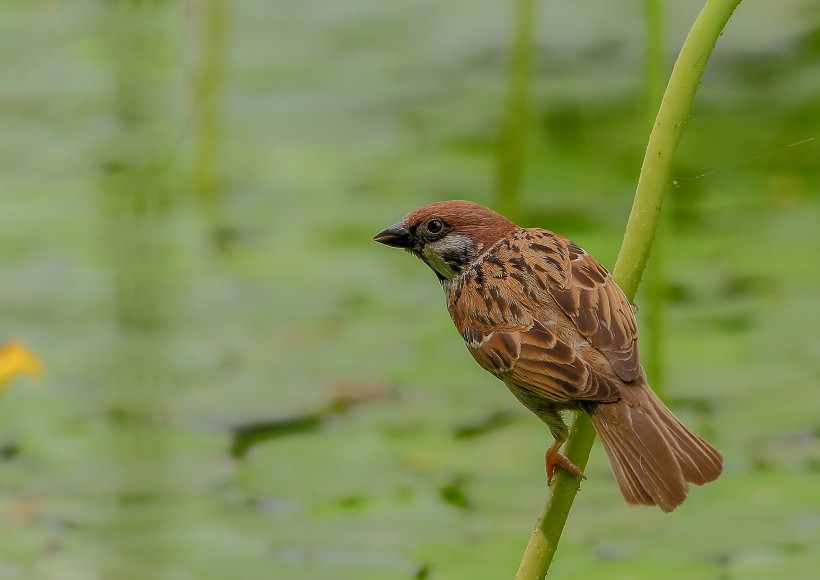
435, 226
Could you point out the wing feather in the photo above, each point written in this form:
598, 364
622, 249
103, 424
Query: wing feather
536, 360
504, 306
600, 311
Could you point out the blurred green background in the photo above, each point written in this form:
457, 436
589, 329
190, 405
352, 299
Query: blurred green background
240, 384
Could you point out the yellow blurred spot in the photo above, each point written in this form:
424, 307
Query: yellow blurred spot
16, 359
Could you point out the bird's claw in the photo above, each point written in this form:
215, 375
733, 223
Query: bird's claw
553, 458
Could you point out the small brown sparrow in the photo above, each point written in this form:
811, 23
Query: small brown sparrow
546, 318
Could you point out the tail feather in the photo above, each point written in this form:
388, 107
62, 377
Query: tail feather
699, 461
632, 489
653, 455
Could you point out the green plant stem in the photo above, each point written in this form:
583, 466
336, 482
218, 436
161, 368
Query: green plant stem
139, 191
210, 89
640, 229
663, 141
512, 145
210, 81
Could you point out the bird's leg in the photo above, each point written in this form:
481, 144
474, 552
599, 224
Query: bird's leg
553, 458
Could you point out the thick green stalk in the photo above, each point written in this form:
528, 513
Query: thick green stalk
512, 146
640, 229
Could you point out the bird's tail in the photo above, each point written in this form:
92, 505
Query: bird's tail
653, 454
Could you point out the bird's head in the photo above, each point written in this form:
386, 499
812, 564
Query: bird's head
448, 235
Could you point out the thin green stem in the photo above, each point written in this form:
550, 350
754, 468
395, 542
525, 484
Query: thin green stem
210, 80
208, 127
512, 146
640, 229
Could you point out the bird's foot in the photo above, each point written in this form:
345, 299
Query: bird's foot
553, 458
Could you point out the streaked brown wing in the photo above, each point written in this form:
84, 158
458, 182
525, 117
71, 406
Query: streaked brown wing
535, 360
600, 311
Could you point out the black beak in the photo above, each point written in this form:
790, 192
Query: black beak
396, 235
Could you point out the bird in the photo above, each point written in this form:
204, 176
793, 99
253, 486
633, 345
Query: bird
546, 318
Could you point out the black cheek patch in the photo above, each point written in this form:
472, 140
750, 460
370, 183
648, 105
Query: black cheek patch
457, 260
